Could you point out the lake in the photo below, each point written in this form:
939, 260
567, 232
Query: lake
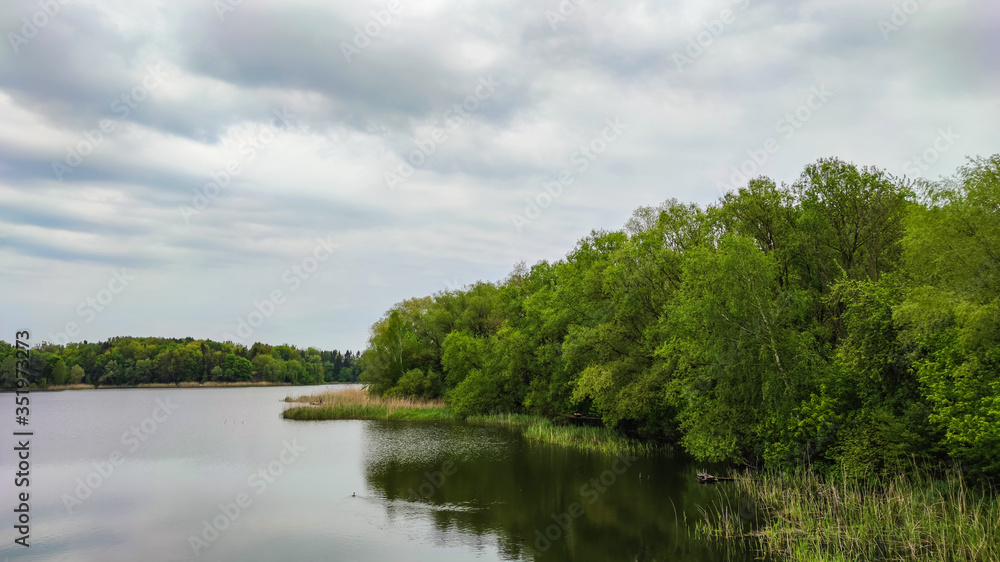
216, 475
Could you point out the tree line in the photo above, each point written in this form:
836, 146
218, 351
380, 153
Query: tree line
849, 321
128, 361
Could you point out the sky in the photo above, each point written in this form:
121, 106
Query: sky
285, 172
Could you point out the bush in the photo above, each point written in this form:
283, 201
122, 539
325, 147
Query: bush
481, 393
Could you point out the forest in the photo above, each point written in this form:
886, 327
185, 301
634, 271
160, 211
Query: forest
128, 361
848, 322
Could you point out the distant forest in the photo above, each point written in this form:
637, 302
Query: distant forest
849, 321
128, 361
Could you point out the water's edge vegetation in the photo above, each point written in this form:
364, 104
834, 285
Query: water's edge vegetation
835, 334
124, 362
359, 404
917, 515
846, 325
190, 384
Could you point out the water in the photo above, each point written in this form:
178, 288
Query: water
155, 475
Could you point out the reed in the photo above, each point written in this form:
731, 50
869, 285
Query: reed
247, 383
912, 516
600, 439
65, 387
358, 404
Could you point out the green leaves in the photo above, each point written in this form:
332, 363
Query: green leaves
837, 322
236, 369
952, 315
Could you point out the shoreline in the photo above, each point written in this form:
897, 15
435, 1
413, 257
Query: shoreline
55, 388
362, 406
918, 516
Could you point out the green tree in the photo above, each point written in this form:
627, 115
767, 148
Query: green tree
8, 371
76, 375
59, 372
951, 315
236, 369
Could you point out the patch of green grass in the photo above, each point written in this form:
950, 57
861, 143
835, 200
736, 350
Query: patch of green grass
805, 517
357, 404
366, 412
601, 439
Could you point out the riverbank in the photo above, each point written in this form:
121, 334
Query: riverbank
907, 517
358, 404
210, 384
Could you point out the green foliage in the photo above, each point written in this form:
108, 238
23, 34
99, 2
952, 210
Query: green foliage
59, 372
75, 375
236, 369
803, 515
951, 316
481, 392
842, 323
126, 361
418, 384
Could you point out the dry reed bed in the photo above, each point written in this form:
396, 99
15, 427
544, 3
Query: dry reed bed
357, 403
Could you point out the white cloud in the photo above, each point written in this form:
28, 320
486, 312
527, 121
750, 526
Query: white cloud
353, 122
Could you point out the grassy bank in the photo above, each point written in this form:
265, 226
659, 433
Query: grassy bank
602, 439
357, 404
189, 384
805, 517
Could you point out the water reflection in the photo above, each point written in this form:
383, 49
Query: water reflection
535, 501
424, 491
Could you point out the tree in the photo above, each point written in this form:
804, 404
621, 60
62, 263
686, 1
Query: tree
8, 372
113, 374
76, 375
267, 368
236, 369
952, 313
59, 372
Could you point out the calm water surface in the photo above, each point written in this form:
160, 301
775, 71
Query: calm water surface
336, 490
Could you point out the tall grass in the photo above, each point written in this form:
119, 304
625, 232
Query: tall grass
242, 383
907, 517
601, 439
358, 404
65, 387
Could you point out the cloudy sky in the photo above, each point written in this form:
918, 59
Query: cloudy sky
170, 167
